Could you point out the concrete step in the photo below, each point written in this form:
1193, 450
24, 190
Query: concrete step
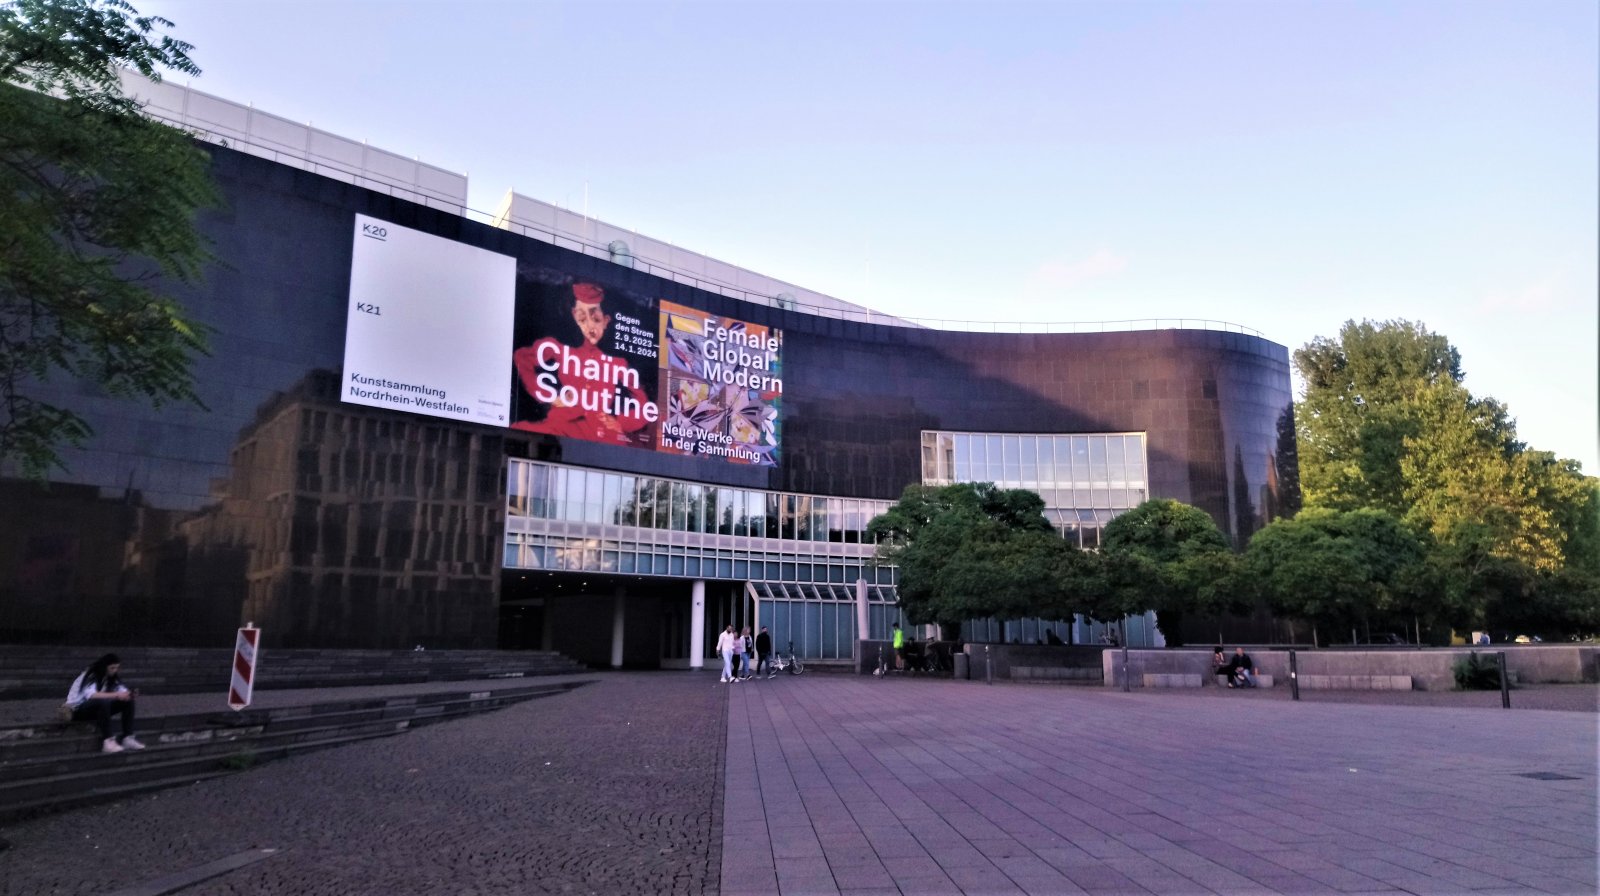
1057, 673
43, 770
31, 671
41, 780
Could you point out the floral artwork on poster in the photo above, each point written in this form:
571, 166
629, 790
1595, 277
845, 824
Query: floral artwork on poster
722, 385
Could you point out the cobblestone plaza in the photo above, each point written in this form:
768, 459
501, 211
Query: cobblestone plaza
670, 783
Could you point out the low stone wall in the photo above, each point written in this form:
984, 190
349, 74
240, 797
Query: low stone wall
1358, 683
1008, 657
1426, 669
1192, 680
1054, 673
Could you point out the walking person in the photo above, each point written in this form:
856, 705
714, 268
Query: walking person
738, 657
725, 650
96, 695
747, 646
899, 649
764, 653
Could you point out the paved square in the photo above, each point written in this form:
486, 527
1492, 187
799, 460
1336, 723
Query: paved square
837, 784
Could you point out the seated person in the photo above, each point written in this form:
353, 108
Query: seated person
1241, 670
1219, 664
96, 695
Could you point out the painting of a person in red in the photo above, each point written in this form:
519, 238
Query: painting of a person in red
590, 394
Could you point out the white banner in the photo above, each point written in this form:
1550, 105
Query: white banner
429, 325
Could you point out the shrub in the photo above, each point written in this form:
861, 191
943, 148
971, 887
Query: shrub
1477, 673
238, 762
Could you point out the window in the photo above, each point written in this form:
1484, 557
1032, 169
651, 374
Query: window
1095, 472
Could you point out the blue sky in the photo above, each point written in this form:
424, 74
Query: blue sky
1282, 165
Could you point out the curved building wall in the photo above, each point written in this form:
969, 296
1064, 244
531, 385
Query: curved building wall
330, 523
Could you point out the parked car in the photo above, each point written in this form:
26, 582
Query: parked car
1387, 639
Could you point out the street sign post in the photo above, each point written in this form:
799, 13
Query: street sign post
244, 666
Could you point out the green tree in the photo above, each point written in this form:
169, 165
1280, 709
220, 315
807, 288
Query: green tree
1354, 418
1170, 557
97, 207
1463, 465
1385, 423
1338, 570
972, 550
1554, 606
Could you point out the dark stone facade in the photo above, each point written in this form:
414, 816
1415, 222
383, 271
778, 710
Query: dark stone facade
333, 524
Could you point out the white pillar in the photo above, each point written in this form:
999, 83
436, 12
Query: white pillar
617, 602
863, 617
697, 625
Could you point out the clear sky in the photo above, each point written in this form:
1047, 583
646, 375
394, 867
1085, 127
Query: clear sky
1282, 165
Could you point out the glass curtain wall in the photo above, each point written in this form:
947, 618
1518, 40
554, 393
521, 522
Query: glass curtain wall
1085, 479
801, 554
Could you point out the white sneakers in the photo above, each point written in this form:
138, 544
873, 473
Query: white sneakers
110, 745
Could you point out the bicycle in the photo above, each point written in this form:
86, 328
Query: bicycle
884, 668
921, 659
790, 664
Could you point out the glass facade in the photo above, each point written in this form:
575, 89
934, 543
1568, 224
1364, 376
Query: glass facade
1085, 479
801, 554
333, 524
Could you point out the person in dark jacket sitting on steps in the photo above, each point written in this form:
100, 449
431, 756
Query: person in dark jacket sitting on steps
96, 695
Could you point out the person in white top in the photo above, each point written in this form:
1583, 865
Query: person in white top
747, 653
725, 643
97, 694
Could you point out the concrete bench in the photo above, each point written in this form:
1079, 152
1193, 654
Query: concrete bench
1172, 680
1356, 682
1262, 680
1054, 673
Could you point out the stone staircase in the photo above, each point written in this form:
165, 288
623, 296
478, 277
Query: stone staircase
52, 766
28, 671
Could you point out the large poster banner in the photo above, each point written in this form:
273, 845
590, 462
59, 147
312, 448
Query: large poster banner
426, 328
724, 382
587, 361
441, 328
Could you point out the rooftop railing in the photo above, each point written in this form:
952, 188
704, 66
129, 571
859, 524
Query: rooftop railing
375, 180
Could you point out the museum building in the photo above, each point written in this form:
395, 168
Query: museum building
426, 426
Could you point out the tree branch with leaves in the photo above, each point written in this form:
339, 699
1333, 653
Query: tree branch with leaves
97, 222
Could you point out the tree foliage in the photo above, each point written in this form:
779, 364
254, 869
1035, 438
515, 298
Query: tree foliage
1386, 424
1354, 418
97, 207
1170, 557
1338, 569
972, 550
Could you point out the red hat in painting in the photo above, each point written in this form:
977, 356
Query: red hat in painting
587, 293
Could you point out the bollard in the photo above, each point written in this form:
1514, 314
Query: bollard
988, 665
1294, 677
1505, 686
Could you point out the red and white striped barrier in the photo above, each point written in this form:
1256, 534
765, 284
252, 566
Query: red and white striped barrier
244, 666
